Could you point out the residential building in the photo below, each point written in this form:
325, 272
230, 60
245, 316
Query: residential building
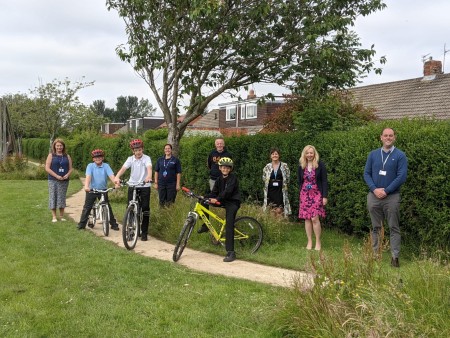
246, 116
427, 96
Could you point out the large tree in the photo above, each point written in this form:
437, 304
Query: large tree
191, 51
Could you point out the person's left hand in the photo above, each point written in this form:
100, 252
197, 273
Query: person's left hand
325, 201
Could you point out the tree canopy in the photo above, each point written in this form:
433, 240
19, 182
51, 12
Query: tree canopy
191, 51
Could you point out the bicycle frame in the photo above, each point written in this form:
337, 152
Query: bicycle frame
202, 212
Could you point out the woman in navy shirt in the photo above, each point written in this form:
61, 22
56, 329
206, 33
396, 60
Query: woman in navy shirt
167, 176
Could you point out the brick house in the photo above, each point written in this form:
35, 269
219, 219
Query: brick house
427, 96
245, 116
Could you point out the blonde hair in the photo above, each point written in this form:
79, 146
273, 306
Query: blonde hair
303, 161
58, 140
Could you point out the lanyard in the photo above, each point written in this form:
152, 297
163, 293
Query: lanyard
384, 161
275, 171
168, 161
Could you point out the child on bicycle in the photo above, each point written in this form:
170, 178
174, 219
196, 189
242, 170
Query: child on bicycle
97, 174
226, 191
141, 171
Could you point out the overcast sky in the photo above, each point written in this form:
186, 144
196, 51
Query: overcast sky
53, 39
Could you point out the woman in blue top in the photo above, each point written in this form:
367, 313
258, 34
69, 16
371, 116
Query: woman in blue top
59, 167
167, 176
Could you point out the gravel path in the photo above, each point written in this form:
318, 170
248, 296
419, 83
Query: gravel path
196, 260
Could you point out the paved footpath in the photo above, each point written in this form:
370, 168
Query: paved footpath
196, 260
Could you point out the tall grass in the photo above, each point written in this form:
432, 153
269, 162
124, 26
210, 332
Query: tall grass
355, 296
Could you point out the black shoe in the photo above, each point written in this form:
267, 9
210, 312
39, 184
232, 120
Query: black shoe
144, 237
203, 229
115, 227
81, 227
395, 263
231, 256
90, 225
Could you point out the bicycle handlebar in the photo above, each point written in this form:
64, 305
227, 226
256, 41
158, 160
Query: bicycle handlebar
128, 183
101, 191
190, 193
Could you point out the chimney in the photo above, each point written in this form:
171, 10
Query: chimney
251, 94
432, 67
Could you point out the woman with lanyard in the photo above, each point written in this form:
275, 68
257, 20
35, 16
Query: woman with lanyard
276, 176
59, 167
167, 177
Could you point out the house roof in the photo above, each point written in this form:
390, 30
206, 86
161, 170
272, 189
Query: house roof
427, 96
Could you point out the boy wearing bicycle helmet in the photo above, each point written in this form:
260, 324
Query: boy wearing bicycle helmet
141, 171
226, 191
97, 174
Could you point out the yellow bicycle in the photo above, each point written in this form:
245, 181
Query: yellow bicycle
248, 233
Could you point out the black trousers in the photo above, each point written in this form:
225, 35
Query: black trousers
231, 209
167, 193
144, 195
89, 203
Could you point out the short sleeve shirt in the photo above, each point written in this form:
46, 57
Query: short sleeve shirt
138, 168
99, 175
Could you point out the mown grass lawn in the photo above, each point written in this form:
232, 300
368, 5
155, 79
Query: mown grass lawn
56, 281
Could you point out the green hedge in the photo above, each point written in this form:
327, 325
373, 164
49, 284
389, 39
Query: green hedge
425, 208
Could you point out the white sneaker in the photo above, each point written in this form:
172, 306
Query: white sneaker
63, 219
54, 220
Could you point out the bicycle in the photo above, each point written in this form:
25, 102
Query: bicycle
133, 217
100, 211
248, 233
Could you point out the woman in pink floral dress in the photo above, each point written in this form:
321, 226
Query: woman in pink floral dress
313, 187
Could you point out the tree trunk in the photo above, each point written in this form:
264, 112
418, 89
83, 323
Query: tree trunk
174, 138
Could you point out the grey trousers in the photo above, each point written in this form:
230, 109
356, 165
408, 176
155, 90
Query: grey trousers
380, 209
211, 184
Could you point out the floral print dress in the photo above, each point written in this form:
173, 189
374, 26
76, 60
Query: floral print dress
311, 203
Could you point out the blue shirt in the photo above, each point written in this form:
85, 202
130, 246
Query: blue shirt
99, 175
59, 165
393, 163
168, 169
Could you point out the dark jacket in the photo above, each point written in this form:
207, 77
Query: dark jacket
321, 178
226, 190
213, 160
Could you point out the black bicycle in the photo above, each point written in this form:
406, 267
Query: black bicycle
132, 221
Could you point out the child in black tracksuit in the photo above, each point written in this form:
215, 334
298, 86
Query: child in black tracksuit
226, 191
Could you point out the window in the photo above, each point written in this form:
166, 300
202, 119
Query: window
243, 112
231, 113
251, 111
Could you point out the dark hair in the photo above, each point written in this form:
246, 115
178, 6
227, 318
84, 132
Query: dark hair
274, 149
168, 144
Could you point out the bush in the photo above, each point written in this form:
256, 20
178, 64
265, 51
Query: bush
425, 215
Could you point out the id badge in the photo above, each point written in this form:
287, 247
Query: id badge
275, 184
164, 173
382, 172
61, 170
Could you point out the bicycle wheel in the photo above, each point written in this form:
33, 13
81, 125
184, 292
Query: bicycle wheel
185, 233
248, 234
130, 228
105, 219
